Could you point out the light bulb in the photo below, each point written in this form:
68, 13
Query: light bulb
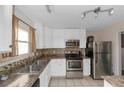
111, 12
83, 15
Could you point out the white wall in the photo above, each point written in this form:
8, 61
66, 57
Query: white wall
18, 13
111, 34
38, 26
5, 27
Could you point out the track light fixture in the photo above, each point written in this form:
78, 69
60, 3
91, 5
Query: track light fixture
97, 11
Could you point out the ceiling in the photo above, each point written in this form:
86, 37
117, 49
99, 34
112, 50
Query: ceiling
69, 16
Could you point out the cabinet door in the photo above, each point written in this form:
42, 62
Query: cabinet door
58, 67
5, 27
48, 73
42, 79
82, 35
45, 77
86, 67
61, 41
58, 39
48, 38
71, 34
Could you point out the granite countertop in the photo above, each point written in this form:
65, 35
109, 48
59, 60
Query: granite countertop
10, 60
25, 78
19, 80
115, 81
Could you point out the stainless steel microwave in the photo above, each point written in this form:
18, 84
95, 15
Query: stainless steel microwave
72, 43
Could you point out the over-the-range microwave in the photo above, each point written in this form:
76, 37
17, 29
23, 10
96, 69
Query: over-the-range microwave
72, 43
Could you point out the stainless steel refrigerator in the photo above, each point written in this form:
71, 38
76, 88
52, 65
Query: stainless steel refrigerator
102, 59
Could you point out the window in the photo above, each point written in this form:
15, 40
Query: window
23, 38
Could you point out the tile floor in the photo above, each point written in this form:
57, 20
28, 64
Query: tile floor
85, 82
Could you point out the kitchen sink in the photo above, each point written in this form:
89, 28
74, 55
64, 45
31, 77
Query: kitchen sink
33, 68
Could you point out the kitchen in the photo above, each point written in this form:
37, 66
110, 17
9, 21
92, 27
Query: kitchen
57, 54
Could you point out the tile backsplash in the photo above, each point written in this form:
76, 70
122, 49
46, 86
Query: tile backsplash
58, 51
4, 54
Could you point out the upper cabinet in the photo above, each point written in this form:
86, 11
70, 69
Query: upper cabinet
72, 34
56, 38
82, 36
5, 27
76, 34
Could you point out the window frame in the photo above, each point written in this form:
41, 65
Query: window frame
22, 41
31, 36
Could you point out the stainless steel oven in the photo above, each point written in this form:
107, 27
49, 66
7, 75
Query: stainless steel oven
74, 69
74, 65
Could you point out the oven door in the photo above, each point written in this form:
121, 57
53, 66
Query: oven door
74, 65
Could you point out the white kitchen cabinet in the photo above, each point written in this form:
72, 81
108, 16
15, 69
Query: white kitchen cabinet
48, 38
42, 79
107, 84
40, 42
58, 67
49, 72
79, 34
45, 77
82, 37
86, 67
5, 27
58, 39
55, 38
71, 33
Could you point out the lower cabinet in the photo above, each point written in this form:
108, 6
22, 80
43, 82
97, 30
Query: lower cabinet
107, 84
44, 78
56, 67
86, 67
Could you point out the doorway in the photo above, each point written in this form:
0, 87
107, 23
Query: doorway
122, 53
